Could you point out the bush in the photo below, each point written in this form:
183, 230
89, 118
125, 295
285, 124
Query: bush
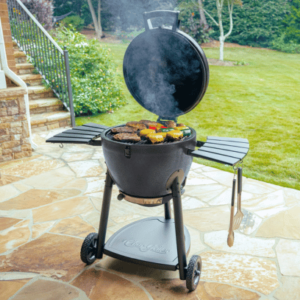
255, 23
289, 47
75, 21
292, 23
190, 21
42, 10
95, 83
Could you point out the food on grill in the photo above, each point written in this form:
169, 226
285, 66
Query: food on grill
124, 129
149, 123
181, 128
186, 132
145, 132
171, 124
164, 134
136, 125
174, 135
166, 129
155, 138
181, 125
129, 137
159, 126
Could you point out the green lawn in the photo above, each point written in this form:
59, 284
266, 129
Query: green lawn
260, 101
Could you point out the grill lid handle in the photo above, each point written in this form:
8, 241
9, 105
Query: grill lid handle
163, 14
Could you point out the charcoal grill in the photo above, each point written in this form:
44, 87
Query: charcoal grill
167, 73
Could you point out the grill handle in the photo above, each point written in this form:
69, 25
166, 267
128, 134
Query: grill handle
163, 14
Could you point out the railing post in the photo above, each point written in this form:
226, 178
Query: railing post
66, 55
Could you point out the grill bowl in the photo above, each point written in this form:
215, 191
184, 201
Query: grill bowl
145, 173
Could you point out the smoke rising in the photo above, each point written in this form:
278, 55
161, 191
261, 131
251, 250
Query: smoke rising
164, 72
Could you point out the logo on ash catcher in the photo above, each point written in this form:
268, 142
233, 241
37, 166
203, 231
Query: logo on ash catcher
145, 248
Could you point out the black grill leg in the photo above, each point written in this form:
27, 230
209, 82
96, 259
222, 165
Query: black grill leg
180, 240
168, 210
104, 215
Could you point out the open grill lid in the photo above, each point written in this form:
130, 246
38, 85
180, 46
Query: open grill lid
165, 70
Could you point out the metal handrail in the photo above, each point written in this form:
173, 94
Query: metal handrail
44, 53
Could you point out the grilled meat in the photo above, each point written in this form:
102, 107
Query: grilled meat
130, 137
136, 125
124, 129
171, 124
149, 123
181, 125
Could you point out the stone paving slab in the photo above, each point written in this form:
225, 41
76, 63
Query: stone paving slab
52, 200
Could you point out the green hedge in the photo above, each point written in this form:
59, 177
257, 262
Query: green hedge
95, 83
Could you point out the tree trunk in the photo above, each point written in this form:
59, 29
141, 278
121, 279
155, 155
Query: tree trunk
221, 38
95, 21
221, 48
99, 19
203, 20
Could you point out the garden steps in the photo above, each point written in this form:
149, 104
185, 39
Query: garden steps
46, 111
25, 68
32, 79
49, 120
45, 105
20, 57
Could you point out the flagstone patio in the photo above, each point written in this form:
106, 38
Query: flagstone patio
52, 200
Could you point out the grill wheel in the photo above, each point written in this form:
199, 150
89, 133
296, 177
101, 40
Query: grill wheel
193, 272
89, 248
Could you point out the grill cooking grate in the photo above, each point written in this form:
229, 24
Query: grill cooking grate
143, 141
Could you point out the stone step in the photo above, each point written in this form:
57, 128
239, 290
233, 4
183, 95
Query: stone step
39, 92
25, 68
20, 57
50, 120
45, 105
32, 79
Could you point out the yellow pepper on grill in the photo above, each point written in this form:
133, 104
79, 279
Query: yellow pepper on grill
181, 127
145, 132
175, 135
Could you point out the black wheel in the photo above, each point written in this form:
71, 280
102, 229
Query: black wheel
89, 248
193, 272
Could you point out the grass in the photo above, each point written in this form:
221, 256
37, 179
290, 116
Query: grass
260, 101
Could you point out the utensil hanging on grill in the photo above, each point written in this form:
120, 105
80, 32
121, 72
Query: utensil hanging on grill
238, 218
230, 239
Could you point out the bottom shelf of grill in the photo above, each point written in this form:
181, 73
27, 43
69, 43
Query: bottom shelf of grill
150, 242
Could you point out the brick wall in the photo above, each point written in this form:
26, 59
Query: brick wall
7, 35
14, 132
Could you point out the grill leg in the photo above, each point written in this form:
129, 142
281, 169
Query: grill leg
168, 211
104, 215
180, 239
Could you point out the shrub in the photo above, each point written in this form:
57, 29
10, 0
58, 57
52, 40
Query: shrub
75, 21
42, 10
190, 21
255, 23
289, 47
292, 23
95, 83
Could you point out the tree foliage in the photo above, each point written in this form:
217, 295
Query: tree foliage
257, 22
292, 23
42, 10
191, 21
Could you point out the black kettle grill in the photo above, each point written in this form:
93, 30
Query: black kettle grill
167, 73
